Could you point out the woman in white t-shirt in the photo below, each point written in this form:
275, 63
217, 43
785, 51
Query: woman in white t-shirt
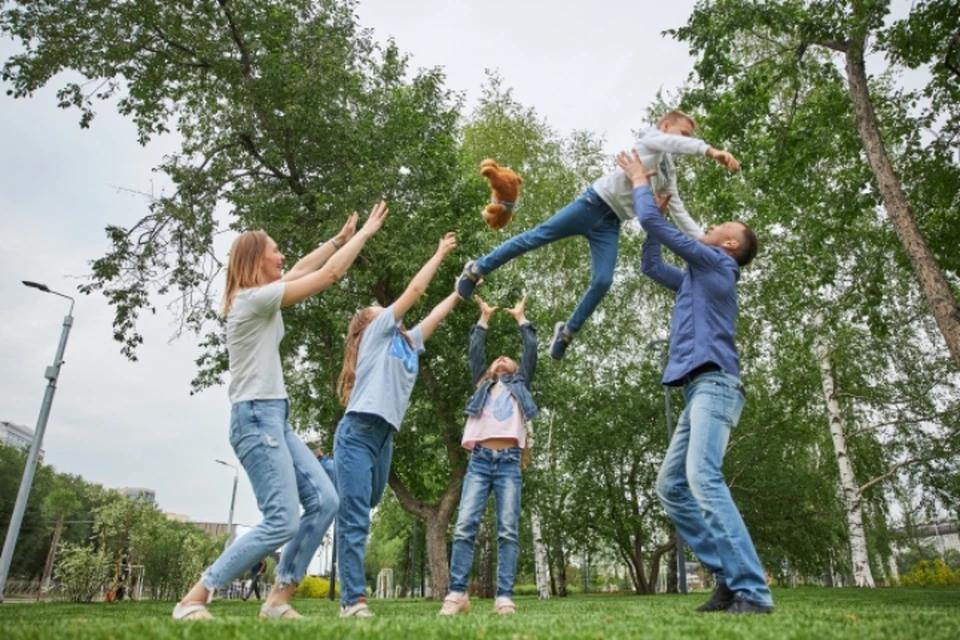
283, 471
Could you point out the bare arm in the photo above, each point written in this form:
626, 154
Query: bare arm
319, 256
441, 311
418, 286
337, 266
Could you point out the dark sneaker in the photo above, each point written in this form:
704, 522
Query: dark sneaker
468, 280
744, 606
561, 340
721, 599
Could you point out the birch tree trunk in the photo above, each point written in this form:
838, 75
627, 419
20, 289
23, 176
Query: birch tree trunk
852, 498
542, 567
935, 286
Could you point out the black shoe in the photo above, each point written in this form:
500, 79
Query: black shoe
561, 340
744, 606
468, 280
721, 599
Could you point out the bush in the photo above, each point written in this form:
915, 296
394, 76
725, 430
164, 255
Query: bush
931, 574
314, 587
81, 572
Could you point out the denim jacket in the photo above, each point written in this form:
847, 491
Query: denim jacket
517, 384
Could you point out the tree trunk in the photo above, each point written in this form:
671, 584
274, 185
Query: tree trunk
437, 556
540, 557
673, 580
561, 572
540, 563
852, 498
48, 567
553, 579
485, 565
934, 284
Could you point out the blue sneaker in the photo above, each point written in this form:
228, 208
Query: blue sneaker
561, 340
467, 281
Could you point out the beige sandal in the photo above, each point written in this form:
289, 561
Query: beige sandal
193, 611
283, 611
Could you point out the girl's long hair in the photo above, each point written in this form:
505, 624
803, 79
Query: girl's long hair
489, 375
358, 324
243, 267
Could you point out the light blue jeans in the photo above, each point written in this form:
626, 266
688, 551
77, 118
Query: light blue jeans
284, 474
695, 495
362, 450
588, 216
499, 471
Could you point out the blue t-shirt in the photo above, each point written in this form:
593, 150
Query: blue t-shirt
387, 368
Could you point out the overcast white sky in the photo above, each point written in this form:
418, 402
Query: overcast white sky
592, 66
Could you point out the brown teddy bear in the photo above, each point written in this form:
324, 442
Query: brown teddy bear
505, 187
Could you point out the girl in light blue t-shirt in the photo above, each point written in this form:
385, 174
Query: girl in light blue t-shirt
380, 366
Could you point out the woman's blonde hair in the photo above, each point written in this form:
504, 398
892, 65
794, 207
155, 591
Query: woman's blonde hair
243, 267
358, 324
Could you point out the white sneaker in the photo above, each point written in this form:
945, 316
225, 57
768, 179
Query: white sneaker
359, 610
455, 603
504, 606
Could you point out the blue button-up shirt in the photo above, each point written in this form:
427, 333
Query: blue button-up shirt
705, 312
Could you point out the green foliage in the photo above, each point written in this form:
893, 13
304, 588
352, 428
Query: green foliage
932, 574
81, 572
315, 587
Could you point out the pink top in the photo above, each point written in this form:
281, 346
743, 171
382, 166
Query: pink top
500, 418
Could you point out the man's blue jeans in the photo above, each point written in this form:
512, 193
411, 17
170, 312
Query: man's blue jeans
695, 495
284, 474
498, 471
588, 216
362, 450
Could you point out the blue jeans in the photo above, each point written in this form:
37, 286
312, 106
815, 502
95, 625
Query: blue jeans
695, 495
362, 450
588, 216
284, 474
500, 471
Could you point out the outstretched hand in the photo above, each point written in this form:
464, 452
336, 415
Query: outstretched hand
726, 159
377, 215
347, 231
633, 167
447, 244
517, 311
486, 310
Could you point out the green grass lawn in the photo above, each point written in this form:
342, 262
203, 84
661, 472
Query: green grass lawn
800, 613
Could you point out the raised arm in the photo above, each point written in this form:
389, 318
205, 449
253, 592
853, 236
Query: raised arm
693, 251
319, 256
337, 266
656, 140
418, 286
477, 352
436, 316
528, 335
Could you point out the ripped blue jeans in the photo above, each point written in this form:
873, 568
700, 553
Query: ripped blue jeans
284, 474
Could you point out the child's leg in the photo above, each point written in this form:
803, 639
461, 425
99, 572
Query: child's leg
320, 504
381, 466
506, 487
577, 218
604, 239
473, 500
356, 448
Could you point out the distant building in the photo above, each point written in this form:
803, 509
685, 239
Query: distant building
177, 517
17, 435
135, 493
217, 528
942, 536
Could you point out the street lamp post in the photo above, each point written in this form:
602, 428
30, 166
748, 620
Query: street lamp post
233, 501
664, 345
51, 374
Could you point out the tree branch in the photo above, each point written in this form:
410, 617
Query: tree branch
880, 425
892, 470
954, 42
406, 499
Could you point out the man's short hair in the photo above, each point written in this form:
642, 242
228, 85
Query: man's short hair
749, 245
675, 116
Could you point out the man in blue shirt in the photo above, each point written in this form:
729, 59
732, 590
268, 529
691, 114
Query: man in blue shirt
704, 361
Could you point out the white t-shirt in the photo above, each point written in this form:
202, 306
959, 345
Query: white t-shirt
500, 418
655, 148
254, 332
387, 367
